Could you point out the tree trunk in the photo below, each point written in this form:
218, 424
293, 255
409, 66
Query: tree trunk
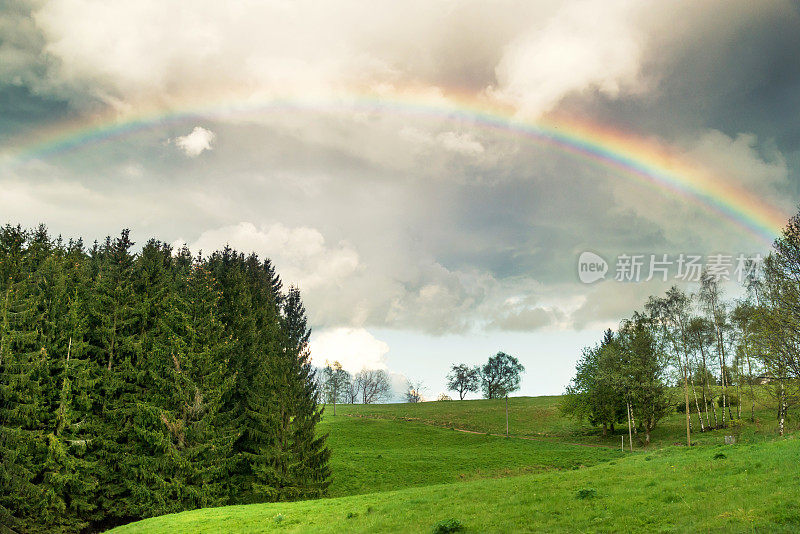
724, 388
686, 398
752, 394
782, 408
739, 394
630, 429
705, 386
697, 404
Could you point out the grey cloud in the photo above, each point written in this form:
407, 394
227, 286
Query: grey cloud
527, 320
730, 67
445, 232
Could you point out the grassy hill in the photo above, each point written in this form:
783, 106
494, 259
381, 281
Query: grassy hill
540, 418
402, 467
370, 455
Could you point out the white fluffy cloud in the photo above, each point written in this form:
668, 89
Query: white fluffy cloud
195, 142
354, 348
145, 51
585, 45
300, 254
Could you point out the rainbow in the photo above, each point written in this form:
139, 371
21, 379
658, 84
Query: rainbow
641, 160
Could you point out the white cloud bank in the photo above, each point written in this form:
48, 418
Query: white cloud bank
532, 55
354, 348
300, 255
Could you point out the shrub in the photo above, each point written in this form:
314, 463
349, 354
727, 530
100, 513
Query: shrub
736, 426
586, 493
733, 400
444, 397
448, 525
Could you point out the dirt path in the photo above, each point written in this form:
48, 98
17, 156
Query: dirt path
464, 430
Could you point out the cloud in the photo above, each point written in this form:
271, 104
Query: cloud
585, 46
300, 255
387, 219
461, 143
196, 142
354, 348
609, 302
740, 159
528, 319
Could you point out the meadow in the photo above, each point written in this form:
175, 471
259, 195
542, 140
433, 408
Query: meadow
405, 468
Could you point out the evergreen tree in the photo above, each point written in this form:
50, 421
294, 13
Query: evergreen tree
134, 385
20, 396
308, 473
205, 369
250, 473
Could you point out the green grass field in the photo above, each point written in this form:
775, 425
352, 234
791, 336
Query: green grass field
371, 455
402, 468
540, 418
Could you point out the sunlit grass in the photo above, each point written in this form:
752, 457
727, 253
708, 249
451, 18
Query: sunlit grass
371, 455
722, 489
403, 468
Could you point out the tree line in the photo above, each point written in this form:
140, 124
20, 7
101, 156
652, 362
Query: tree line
498, 377
716, 350
338, 385
135, 384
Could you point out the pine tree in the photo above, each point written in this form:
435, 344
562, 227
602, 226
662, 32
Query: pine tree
68, 482
308, 471
249, 314
114, 346
20, 396
208, 380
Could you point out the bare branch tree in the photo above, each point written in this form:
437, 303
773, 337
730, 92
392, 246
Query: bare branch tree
373, 385
414, 391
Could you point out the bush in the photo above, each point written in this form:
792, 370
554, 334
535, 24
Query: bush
736, 426
733, 400
444, 397
448, 525
586, 493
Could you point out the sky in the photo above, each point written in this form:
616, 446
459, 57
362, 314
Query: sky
427, 173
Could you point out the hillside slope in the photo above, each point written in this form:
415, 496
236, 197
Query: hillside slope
370, 455
723, 488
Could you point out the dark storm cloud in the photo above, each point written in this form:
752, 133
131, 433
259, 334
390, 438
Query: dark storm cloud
729, 66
